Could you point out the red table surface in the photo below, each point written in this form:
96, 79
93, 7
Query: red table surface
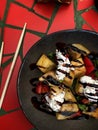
41, 19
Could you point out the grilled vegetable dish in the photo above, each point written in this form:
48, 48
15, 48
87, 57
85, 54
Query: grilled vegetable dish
68, 87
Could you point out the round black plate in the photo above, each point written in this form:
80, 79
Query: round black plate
41, 120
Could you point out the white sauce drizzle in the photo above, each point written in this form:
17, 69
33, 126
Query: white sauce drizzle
89, 91
62, 62
53, 103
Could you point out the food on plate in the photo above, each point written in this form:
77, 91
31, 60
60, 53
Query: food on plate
45, 64
68, 86
67, 111
81, 48
79, 67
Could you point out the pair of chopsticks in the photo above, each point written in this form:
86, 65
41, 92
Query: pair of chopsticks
12, 65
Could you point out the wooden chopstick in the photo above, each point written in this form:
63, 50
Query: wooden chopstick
1, 53
12, 66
